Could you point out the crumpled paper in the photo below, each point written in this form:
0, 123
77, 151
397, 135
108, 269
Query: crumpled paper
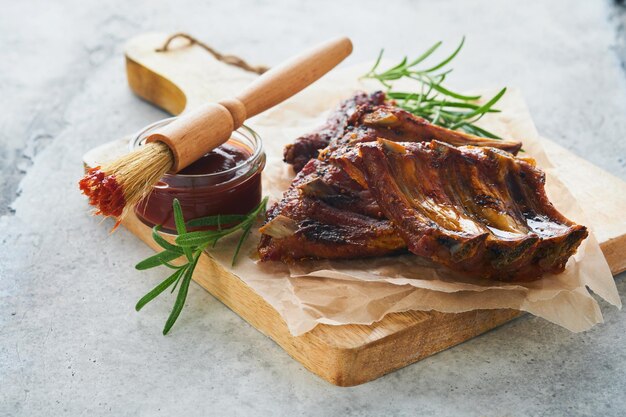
363, 291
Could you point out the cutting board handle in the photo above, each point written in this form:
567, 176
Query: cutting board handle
195, 133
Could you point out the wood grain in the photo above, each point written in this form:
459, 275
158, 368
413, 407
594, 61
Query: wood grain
354, 354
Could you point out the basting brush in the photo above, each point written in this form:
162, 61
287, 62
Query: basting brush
115, 188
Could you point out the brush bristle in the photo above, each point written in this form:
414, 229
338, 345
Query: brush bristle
115, 188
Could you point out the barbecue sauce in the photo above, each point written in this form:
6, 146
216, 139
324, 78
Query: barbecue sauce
225, 157
226, 180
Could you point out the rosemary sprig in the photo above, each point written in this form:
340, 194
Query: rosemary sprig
435, 102
190, 245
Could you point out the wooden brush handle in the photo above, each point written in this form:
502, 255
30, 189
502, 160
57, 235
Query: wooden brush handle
195, 133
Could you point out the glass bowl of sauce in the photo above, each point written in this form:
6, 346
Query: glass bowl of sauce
226, 180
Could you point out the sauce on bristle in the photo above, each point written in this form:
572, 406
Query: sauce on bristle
103, 191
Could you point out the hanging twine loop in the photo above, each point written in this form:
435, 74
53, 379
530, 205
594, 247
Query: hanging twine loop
227, 59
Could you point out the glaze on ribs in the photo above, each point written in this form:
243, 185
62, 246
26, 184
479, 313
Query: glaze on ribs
477, 210
307, 146
332, 211
324, 214
370, 122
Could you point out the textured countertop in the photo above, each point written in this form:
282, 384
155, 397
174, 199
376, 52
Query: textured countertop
70, 340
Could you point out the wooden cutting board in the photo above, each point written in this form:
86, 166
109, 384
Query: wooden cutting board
186, 76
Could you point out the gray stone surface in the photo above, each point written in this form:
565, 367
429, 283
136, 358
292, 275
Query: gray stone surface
70, 341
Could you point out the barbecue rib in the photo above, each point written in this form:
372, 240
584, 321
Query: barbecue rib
325, 214
386, 180
364, 117
370, 122
307, 147
476, 210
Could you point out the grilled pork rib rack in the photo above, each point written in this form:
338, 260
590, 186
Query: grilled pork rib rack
381, 181
477, 210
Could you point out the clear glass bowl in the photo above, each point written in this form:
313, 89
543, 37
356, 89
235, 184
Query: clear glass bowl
236, 190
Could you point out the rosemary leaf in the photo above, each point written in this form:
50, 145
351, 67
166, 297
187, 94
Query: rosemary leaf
169, 265
178, 217
448, 59
164, 243
398, 67
158, 289
180, 225
488, 105
158, 259
178, 280
451, 93
192, 239
425, 55
377, 63
181, 297
478, 131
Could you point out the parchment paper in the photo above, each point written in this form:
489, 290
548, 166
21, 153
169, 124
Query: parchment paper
364, 291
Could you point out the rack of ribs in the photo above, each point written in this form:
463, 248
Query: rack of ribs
476, 210
336, 207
